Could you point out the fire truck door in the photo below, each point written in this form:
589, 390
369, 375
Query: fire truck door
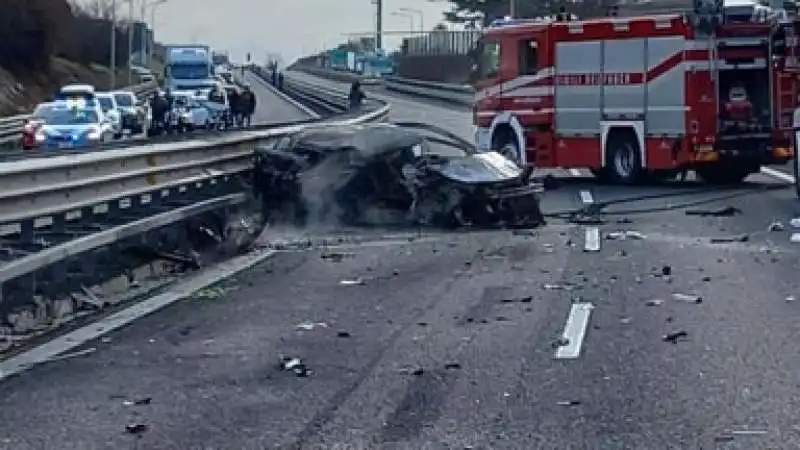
624, 68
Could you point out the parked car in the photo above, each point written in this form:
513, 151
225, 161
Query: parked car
108, 104
190, 112
65, 126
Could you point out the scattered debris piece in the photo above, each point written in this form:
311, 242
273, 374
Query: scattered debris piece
138, 402
795, 222
654, 302
776, 226
625, 235
729, 240
452, 366
795, 238
723, 438
353, 282
343, 334
724, 212
790, 298
72, 354
689, 298
561, 342
749, 432
295, 365
415, 371
558, 287
212, 292
528, 233
569, 403
675, 336
336, 257
626, 320
666, 270
308, 326
136, 428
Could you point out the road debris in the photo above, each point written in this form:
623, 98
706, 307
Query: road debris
654, 302
353, 282
294, 365
730, 240
795, 222
666, 270
212, 292
688, 298
560, 342
75, 354
558, 286
795, 238
138, 401
728, 211
343, 334
452, 366
625, 235
790, 298
569, 403
415, 371
776, 226
136, 428
308, 326
675, 336
336, 257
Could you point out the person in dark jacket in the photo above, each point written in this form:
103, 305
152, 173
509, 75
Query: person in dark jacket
234, 99
248, 100
356, 96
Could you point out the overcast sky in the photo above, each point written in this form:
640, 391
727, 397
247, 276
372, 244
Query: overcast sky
289, 27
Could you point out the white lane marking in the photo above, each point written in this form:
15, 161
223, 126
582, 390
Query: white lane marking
575, 172
785, 177
591, 241
48, 350
574, 331
586, 198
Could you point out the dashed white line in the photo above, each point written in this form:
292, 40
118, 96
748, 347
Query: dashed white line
591, 241
586, 197
51, 349
574, 331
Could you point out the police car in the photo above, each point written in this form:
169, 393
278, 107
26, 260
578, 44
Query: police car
73, 123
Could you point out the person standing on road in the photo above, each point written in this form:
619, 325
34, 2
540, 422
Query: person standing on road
248, 104
356, 96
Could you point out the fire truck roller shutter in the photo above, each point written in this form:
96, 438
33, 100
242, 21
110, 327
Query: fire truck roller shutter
623, 151
507, 136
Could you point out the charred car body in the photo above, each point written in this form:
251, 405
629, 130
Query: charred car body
413, 173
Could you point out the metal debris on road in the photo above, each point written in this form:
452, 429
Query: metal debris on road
776, 226
336, 257
688, 298
569, 403
212, 292
795, 222
138, 401
308, 326
795, 238
666, 270
452, 366
136, 428
592, 240
625, 235
353, 282
790, 298
724, 212
730, 240
295, 365
343, 334
654, 302
75, 354
675, 336
558, 287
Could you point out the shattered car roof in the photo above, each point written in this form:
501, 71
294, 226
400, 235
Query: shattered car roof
370, 141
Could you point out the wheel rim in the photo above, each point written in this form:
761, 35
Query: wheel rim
624, 161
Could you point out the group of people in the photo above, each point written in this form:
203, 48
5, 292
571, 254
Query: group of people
242, 105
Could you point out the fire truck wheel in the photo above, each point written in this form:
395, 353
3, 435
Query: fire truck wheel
723, 174
623, 163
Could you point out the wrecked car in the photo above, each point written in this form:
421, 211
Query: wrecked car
399, 173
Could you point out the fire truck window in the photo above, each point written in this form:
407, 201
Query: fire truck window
527, 57
490, 59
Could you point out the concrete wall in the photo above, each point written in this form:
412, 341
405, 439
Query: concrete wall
441, 68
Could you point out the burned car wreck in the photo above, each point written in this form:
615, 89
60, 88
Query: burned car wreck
400, 173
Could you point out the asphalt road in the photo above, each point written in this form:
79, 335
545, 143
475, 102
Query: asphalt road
455, 340
271, 108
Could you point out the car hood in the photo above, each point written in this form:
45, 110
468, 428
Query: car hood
480, 168
67, 130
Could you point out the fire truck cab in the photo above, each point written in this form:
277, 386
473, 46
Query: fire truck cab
642, 97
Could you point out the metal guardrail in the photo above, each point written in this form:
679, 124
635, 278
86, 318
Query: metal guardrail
11, 127
52, 210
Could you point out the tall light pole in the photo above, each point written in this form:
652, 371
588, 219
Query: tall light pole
410, 19
130, 40
112, 64
420, 14
153, 7
378, 23
512, 8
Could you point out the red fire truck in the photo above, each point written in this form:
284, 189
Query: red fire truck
635, 98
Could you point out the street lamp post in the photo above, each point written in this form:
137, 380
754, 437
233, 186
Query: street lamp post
410, 19
130, 40
112, 64
420, 14
153, 7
